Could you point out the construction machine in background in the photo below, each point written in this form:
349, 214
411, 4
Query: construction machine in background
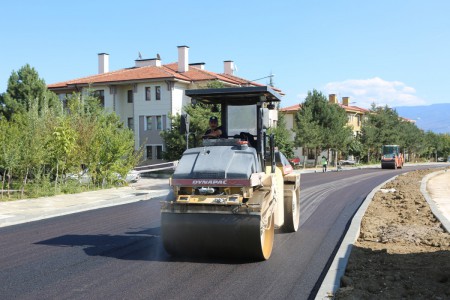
230, 195
391, 157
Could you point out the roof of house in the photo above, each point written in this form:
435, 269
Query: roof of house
295, 107
168, 71
354, 108
291, 108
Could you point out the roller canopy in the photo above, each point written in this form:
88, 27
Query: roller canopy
235, 96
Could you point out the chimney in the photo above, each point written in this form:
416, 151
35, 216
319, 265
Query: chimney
103, 63
155, 62
332, 98
228, 67
345, 101
183, 59
200, 66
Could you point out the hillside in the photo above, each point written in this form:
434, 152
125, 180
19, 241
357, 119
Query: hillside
435, 117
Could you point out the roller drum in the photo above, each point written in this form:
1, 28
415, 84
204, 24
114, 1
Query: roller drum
217, 235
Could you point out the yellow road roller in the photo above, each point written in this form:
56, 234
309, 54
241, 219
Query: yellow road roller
230, 195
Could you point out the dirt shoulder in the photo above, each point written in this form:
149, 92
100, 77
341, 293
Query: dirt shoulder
402, 251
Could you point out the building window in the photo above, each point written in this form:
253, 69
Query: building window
100, 95
157, 148
149, 152
130, 96
148, 95
130, 123
64, 99
157, 93
158, 123
159, 152
148, 122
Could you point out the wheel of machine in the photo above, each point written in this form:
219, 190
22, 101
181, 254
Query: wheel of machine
267, 237
218, 235
291, 210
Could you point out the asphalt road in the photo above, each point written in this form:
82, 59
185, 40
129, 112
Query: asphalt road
116, 253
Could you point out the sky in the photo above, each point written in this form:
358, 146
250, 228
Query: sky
394, 53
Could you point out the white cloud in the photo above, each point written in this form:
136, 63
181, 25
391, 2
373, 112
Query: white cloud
367, 91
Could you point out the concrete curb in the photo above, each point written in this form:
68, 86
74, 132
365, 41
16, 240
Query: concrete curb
331, 282
434, 208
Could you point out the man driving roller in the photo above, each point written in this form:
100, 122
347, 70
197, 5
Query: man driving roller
214, 131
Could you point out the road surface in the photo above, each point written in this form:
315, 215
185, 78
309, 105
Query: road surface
116, 252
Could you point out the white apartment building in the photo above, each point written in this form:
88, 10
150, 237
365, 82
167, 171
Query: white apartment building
147, 93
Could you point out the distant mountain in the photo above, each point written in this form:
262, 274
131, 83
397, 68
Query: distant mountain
435, 117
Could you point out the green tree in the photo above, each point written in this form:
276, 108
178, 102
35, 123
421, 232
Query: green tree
24, 88
175, 143
103, 145
435, 145
411, 139
381, 128
38, 143
321, 125
282, 137
198, 115
10, 151
33, 140
307, 129
61, 146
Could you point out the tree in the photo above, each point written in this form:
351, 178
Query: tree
104, 146
199, 114
321, 125
24, 88
10, 149
282, 137
382, 127
32, 126
61, 146
175, 142
411, 139
435, 145
39, 142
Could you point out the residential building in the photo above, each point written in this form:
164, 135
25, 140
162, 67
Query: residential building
147, 93
355, 114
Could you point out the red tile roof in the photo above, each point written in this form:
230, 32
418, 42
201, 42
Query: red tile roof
354, 108
295, 107
168, 71
291, 108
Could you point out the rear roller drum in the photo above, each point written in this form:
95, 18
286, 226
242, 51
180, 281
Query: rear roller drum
291, 210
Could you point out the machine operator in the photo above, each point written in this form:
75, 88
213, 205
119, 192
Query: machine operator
214, 131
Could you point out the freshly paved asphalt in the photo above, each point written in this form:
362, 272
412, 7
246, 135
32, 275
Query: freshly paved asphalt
437, 192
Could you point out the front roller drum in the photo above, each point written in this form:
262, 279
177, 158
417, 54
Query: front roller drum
217, 235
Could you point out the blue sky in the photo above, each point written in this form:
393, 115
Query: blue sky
392, 53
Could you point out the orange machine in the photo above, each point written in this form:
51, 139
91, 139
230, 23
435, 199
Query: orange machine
392, 157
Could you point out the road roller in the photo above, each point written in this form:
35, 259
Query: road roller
229, 196
391, 157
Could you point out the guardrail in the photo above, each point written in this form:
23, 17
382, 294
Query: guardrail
157, 167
